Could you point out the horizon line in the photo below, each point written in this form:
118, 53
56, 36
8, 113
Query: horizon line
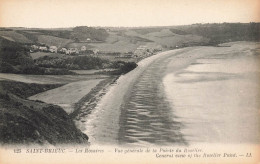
150, 26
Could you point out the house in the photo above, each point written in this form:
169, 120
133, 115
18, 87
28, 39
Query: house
43, 48
72, 51
143, 51
95, 51
158, 48
142, 48
34, 47
63, 50
83, 48
53, 49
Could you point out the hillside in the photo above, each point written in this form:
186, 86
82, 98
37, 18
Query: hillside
15, 36
13, 56
30, 122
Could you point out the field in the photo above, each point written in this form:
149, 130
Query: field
67, 95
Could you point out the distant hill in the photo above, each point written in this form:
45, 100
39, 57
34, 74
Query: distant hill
59, 37
14, 36
122, 40
82, 33
225, 32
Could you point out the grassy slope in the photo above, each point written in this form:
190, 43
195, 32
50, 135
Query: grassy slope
130, 39
25, 90
167, 38
14, 36
53, 41
25, 122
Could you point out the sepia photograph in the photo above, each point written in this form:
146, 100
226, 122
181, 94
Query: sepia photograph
129, 81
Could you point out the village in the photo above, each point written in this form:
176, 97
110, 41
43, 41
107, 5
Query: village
63, 50
141, 52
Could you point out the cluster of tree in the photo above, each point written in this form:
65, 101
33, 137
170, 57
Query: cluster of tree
85, 63
75, 62
15, 58
122, 67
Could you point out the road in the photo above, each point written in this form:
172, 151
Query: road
182, 97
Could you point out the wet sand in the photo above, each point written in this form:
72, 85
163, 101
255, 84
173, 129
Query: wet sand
216, 96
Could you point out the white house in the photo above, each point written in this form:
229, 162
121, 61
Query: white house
83, 48
43, 48
53, 49
142, 51
34, 47
72, 51
95, 51
63, 50
142, 48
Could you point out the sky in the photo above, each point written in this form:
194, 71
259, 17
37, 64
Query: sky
128, 13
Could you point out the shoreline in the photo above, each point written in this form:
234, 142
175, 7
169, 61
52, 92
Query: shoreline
105, 130
90, 100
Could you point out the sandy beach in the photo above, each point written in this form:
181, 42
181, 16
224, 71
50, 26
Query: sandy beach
125, 114
103, 124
